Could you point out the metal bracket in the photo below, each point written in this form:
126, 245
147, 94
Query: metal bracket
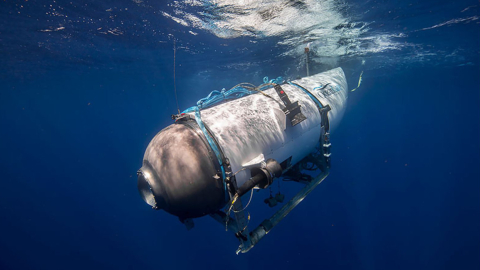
291, 110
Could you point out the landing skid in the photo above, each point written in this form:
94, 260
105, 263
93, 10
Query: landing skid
239, 224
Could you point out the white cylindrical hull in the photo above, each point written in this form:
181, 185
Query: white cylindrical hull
248, 127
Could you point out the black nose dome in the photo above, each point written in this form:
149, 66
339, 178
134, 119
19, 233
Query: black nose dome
180, 173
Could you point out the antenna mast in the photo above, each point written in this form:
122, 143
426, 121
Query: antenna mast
174, 81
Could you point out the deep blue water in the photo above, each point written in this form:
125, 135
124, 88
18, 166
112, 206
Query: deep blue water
85, 86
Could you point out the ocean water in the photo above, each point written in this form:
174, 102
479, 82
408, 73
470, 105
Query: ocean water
85, 85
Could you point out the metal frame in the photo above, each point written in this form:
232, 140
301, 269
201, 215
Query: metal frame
239, 223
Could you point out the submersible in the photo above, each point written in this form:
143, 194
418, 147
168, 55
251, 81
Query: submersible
237, 140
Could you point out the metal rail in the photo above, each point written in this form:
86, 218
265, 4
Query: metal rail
267, 225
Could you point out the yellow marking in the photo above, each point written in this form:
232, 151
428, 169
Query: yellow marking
234, 198
359, 82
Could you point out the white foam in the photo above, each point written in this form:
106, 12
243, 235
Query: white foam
318, 24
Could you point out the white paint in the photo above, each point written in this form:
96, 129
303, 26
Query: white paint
251, 126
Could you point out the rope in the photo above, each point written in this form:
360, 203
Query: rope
251, 195
174, 81
235, 198
238, 91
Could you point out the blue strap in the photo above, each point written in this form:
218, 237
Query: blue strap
319, 104
212, 144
